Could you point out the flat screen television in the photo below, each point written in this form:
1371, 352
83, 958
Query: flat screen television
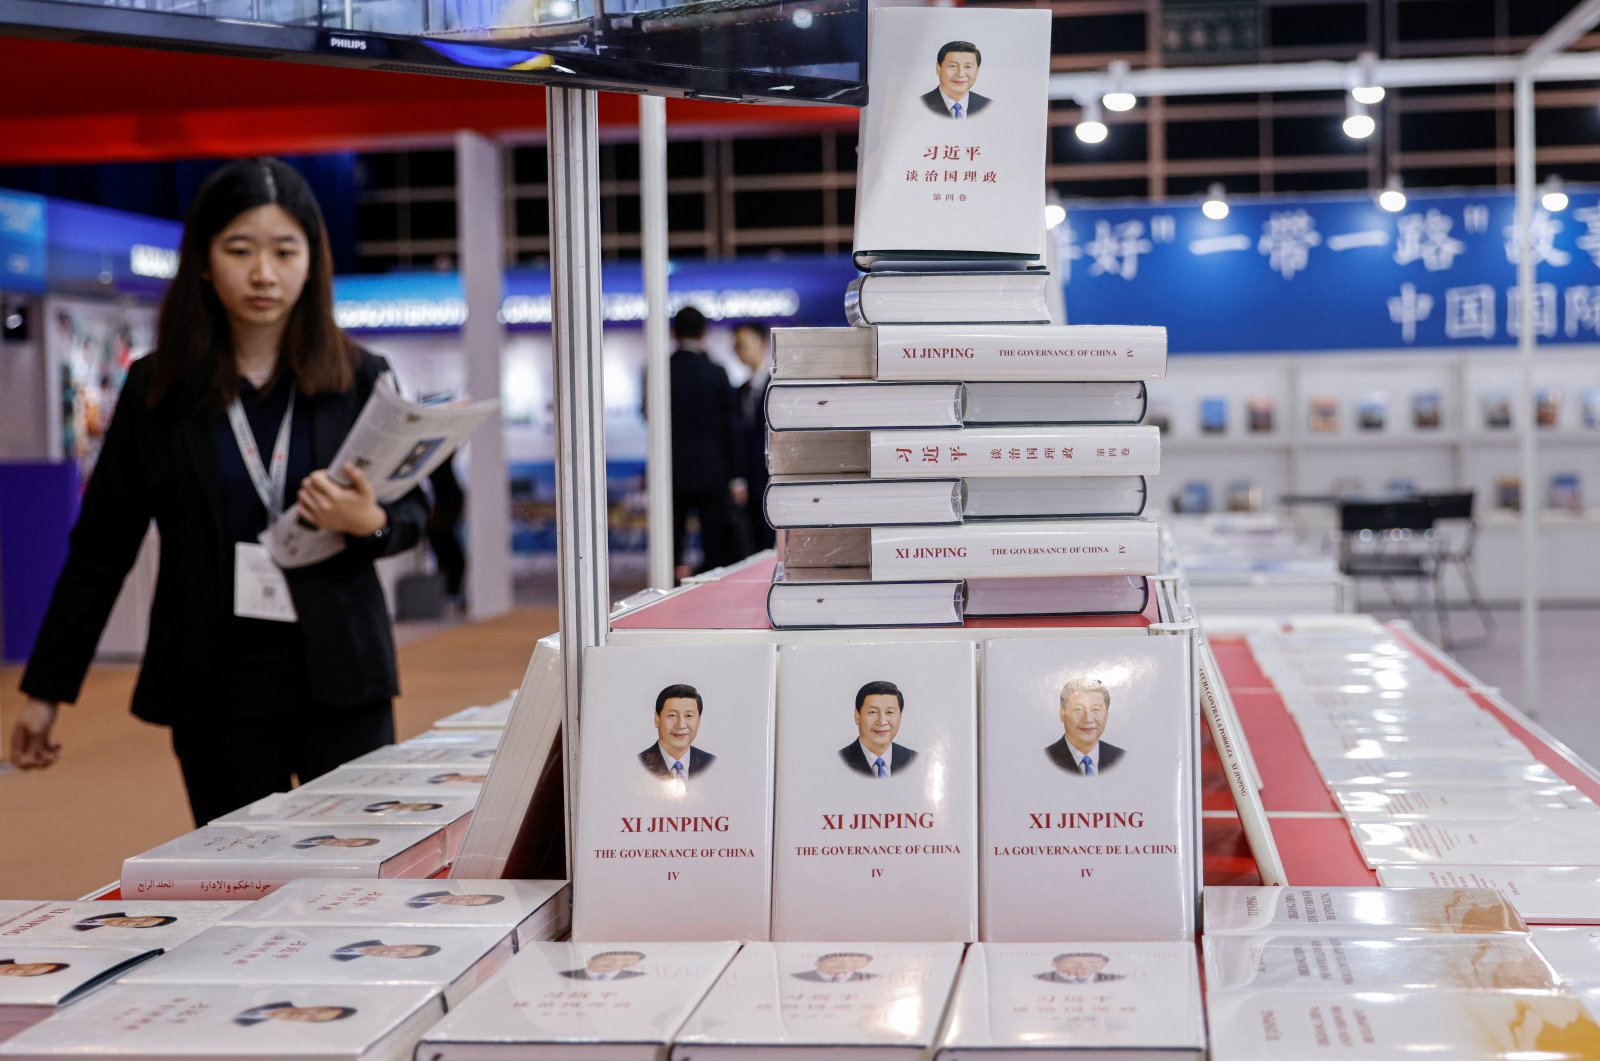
774, 51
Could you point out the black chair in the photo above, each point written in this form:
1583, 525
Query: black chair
1393, 541
1454, 512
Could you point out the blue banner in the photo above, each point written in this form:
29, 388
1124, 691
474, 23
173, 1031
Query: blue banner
22, 242
93, 248
1334, 274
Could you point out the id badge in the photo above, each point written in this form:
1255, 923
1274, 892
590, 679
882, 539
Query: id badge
259, 588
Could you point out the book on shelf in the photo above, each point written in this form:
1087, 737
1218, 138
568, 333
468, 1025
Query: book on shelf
1324, 414
820, 598
1213, 416
1495, 406
858, 1000
620, 1001
1261, 415
528, 910
1500, 1025
1244, 495
1508, 493
1547, 407
858, 500
1372, 412
1591, 407
877, 792
1553, 894
1566, 492
687, 819
1193, 498
1008, 451
972, 352
1078, 1000
1021, 549
466, 754
143, 925
226, 1022
236, 862
931, 187
1426, 410
1483, 804
449, 812
1118, 833
1357, 911
956, 298
1382, 962
843, 405
38, 980
1564, 838
402, 780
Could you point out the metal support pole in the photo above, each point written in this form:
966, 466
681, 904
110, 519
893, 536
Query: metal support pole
582, 583
657, 396
1527, 344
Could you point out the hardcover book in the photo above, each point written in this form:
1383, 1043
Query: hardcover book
1481, 804
1372, 412
675, 793
402, 780
530, 910
1085, 1001
1475, 745
1566, 492
35, 981
1262, 414
579, 1002
451, 960
1591, 407
1352, 773
1496, 407
966, 452
226, 1022
485, 717
1357, 911
1573, 951
476, 752
843, 405
1547, 407
972, 352
959, 298
855, 1000
860, 501
1089, 802
948, 171
1382, 963
449, 812
1508, 493
1565, 838
235, 862
822, 597
1562, 895
1426, 410
1024, 549
877, 792
1213, 416
96, 923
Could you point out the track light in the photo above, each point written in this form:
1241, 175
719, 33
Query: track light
1054, 214
1117, 97
1091, 128
1358, 124
1364, 80
1551, 196
1392, 198
1216, 205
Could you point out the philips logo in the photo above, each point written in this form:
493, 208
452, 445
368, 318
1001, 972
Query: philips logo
347, 43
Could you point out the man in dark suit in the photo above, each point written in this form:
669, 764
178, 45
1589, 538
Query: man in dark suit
1085, 706
839, 967
957, 66
879, 706
1079, 968
750, 340
704, 418
608, 965
673, 756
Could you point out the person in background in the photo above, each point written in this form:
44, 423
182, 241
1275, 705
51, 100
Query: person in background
750, 342
704, 422
444, 528
264, 675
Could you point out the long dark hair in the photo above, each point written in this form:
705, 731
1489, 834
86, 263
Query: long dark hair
193, 364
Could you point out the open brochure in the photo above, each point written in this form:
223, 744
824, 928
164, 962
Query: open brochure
396, 443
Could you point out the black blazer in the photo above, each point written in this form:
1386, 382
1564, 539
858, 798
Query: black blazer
704, 422
752, 457
653, 762
162, 465
900, 757
1062, 755
972, 104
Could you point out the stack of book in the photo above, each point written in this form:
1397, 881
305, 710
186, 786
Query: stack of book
952, 452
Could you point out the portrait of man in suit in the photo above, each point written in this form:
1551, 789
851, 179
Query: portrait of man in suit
879, 708
290, 1012
957, 66
122, 920
377, 948
1085, 707
608, 965
12, 967
330, 840
839, 967
395, 806
417, 902
673, 756
1079, 968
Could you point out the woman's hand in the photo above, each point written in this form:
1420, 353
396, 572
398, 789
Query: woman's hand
343, 509
31, 746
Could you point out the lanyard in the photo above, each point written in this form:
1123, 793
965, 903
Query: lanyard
269, 489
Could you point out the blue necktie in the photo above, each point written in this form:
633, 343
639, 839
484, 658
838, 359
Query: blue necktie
677, 770
955, 111
883, 771
1088, 766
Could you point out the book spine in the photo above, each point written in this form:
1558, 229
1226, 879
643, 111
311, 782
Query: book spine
1076, 450
1090, 353
1015, 550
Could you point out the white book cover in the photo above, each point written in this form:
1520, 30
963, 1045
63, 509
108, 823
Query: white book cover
402, 780
529, 909
1399, 1026
479, 738
1105, 849
1377, 723
95, 923
835, 405
1408, 703
1472, 745
234, 862
877, 792
1411, 773
1483, 804
224, 1022
581, 1002
1076, 1001
432, 754
1399, 675
447, 811
485, 716
1356, 911
1023, 549
1562, 895
1565, 838
675, 793
1572, 950
858, 1000
1015, 451
45, 977
946, 170
453, 960
1435, 962
972, 352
